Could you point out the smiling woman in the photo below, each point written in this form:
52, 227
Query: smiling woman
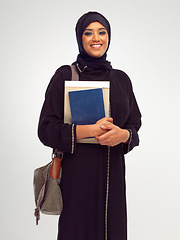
95, 40
93, 175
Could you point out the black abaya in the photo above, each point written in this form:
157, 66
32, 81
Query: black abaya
83, 183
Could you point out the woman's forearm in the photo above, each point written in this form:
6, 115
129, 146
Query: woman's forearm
84, 131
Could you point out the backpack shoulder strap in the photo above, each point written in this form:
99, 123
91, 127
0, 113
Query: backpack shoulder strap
75, 75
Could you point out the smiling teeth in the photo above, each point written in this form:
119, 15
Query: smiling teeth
96, 46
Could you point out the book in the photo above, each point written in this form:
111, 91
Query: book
85, 85
87, 106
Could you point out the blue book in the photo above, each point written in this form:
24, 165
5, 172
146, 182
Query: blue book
87, 106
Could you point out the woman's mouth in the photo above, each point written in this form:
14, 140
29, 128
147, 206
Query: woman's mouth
96, 46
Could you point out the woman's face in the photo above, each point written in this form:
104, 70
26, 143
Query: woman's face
95, 40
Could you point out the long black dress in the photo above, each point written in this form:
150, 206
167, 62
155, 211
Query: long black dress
83, 183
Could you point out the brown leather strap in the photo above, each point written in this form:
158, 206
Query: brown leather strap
55, 168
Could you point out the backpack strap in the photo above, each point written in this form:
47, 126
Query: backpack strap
75, 75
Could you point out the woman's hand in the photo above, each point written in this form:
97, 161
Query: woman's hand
93, 130
113, 135
97, 126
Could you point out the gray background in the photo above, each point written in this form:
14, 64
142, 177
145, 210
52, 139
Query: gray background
37, 37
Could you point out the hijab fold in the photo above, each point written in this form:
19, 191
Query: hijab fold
84, 61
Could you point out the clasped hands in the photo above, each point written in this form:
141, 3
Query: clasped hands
110, 134
104, 131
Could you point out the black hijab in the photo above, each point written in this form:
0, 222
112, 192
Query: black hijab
84, 61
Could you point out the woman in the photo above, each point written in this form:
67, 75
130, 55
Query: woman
92, 210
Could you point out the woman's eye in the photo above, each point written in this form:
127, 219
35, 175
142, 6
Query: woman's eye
102, 33
88, 33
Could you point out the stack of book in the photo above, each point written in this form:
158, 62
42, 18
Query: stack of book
85, 102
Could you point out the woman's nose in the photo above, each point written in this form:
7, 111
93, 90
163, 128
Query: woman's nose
95, 37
